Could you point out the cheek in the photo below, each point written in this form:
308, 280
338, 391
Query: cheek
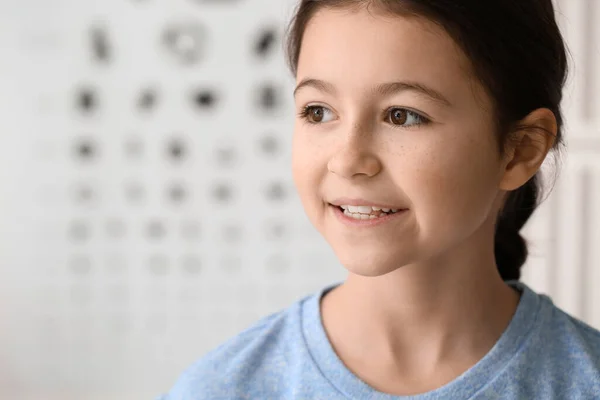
307, 166
308, 169
299, 162
453, 181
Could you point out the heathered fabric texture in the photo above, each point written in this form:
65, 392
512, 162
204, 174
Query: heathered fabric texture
543, 354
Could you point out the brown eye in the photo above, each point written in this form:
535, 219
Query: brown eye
314, 114
398, 116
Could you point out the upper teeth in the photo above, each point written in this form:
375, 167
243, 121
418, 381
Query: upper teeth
366, 209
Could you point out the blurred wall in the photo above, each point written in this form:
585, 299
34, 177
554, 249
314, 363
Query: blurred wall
147, 211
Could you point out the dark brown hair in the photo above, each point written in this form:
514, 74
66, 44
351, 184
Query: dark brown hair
517, 53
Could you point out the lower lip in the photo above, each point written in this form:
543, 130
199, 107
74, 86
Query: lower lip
366, 222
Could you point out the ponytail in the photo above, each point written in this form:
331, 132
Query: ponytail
510, 247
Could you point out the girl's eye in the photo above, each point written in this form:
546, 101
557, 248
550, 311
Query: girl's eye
314, 114
399, 117
403, 117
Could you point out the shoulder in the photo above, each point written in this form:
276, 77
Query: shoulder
566, 353
574, 338
242, 365
557, 334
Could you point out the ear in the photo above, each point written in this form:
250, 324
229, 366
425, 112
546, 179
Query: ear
527, 151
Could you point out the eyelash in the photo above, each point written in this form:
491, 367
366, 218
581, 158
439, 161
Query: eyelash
303, 114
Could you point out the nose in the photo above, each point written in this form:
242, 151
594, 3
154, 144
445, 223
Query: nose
354, 157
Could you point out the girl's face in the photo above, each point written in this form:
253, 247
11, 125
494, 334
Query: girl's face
390, 115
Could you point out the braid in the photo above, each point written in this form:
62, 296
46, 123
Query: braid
510, 247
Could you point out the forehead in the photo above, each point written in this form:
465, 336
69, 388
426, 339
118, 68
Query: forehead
360, 49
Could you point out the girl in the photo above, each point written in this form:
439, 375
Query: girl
421, 129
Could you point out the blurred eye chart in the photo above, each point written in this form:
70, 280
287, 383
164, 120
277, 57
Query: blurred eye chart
147, 208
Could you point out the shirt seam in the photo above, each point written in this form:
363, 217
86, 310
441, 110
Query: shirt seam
526, 339
310, 353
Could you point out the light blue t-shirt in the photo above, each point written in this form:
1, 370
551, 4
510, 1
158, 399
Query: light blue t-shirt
543, 354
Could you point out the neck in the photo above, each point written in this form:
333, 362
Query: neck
422, 316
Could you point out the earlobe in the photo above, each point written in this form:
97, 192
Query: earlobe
532, 141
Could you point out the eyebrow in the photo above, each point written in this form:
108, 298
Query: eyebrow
384, 89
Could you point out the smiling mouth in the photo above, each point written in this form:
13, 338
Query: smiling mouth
366, 212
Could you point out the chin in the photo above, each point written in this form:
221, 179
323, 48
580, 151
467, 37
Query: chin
370, 263
369, 272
